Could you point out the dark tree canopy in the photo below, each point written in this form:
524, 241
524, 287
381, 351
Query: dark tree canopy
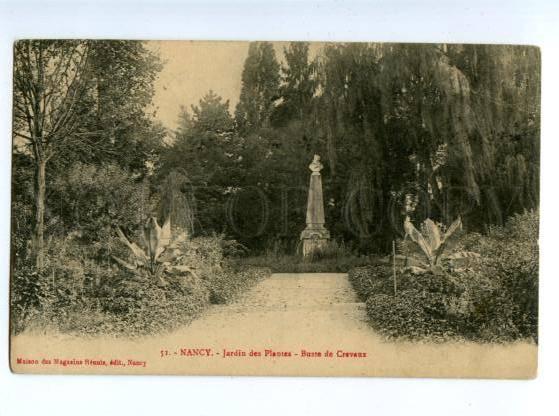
424, 130
260, 83
81, 102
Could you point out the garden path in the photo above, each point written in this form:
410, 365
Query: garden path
292, 314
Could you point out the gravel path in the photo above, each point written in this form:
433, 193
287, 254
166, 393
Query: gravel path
287, 324
285, 310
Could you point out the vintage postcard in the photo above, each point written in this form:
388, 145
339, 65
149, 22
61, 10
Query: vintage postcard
275, 208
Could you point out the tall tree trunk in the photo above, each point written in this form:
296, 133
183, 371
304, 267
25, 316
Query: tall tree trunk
38, 232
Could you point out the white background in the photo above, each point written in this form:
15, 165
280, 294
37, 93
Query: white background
525, 22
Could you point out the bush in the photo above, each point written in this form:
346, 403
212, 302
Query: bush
508, 309
96, 199
74, 294
296, 264
333, 258
425, 306
67, 279
232, 248
29, 293
145, 306
225, 287
495, 300
404, 316
489, 315
330, 250
371, 280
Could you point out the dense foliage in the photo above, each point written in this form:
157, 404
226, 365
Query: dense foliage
418, 131
330, 259
76, 294
496, 299
82, 100
87, 162
436, 131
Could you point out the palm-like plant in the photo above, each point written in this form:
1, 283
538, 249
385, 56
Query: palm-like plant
156, 250
435, 241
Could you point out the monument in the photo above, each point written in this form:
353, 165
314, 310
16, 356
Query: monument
315, 236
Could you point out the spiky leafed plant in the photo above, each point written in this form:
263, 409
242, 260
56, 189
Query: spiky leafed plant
156, 251
435, 241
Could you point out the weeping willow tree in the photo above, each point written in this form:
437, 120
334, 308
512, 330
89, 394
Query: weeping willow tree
421, 130
350, 120
426, 101
177, 201
505, 97
430, 130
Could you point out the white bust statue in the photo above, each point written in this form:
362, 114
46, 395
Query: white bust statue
315, 165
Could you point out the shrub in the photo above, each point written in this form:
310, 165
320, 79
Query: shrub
296, 264
370, 280
403, 317
29, 293
142, 305
489, 309
74, 294
334, 257
330, 250
96, 199
224, 279
495, 300
232, 248
226, 286
425, 306
508, 309
38, 297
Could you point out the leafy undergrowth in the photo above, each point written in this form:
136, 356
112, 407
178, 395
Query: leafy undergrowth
226, 287
494, 300
296, 264
74, 295
138, 306
334, 257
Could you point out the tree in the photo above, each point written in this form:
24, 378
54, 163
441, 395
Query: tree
99, 198
211, 114
441, 130
505, 95
351, 123
298, 85
82, 101
185, 123
260, 83
177, 202
51, 79
202, 163
120, 130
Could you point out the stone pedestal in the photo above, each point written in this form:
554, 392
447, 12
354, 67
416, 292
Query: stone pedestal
315, 236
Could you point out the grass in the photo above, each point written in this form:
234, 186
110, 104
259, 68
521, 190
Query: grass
285, 263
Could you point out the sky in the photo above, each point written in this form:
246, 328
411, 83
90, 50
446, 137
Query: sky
192, 68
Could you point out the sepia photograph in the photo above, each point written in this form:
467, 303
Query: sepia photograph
275, 208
